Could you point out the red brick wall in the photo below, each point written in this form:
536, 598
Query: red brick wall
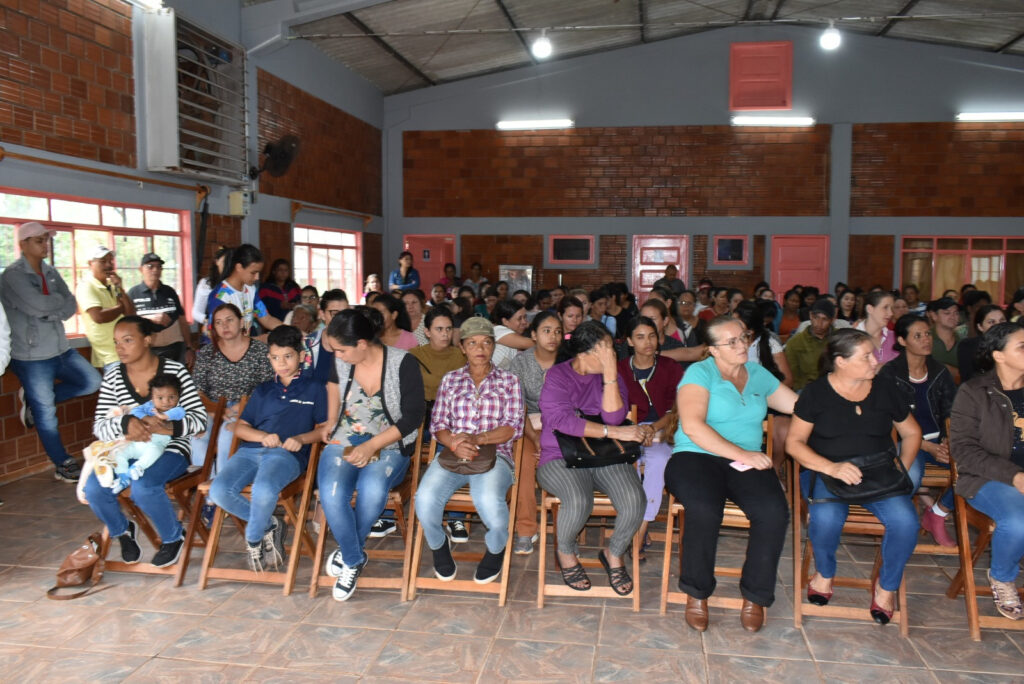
744, 280
938, 169
493, 250
66, 78
339, 160
871, 261
651, 171
275, 242
221, 231
21, 453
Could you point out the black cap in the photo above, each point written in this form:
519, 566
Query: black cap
150, 258
941, 304
823, 306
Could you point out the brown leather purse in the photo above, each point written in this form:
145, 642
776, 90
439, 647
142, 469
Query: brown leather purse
82, 565
486, 456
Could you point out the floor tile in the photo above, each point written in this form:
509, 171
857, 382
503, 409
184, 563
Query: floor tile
291, 676
925, 580
366, 608
844, 673
860, 642
564, 624
646, 630
616, 664
227, 640
951, 650
131, 631
267, 602
480, 617
519, 661
419, 656
945, 676
730, 669
777, 638
44, 623
169, 670
341, 650
187, 598
64, 667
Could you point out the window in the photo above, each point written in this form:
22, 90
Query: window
731, 251
327, 258
81, 224
993, 264
571, 249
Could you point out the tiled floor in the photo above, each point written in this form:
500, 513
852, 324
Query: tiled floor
143, 629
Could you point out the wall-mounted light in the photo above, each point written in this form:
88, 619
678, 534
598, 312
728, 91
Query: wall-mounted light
772, 121
541, 47
830, 38
151, 5
533, 124
990, 116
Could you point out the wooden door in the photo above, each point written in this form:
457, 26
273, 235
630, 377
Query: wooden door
651, 254
429, 255
799, 259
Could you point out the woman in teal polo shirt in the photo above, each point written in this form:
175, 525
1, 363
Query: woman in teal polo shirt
722, 402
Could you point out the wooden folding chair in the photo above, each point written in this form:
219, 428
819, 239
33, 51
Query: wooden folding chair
859, 521
461, 501
733, 518
300, 488
964, 582
183, 491
397, 499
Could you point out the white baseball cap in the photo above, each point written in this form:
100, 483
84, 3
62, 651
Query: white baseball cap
99, 251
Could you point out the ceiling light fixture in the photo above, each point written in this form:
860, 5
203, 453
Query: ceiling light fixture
150, 5
990, 116
773, 121
541, 47
831, 38
533, 124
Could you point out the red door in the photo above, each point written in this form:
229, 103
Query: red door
651, 254
429, 255
799, 260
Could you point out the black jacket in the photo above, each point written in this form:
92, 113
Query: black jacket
941, 389
982, 435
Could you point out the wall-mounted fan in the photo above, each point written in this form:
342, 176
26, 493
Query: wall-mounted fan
277, 157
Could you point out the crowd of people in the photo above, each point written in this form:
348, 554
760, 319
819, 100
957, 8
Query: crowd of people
478, 367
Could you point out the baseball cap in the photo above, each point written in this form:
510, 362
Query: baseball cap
824, 306
941, 304
31, 229
476, 325
99, 251
151, 258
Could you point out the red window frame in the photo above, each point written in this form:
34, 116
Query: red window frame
744, 263
352, 292
969, 252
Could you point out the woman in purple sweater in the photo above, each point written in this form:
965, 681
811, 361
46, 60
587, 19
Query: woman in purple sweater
589, 384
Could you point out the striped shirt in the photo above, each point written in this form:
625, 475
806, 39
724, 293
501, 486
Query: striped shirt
462, 407
116, 390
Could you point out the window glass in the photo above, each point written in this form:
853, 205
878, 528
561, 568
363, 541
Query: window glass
168, 247
952, 243
1014, 276
162, 220
917, 269
985, 272
129, 250
987, 243
8, 251
74, 212
122, 217
918, 243
24, 207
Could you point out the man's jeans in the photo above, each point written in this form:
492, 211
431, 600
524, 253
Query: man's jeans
268, 470
77, 378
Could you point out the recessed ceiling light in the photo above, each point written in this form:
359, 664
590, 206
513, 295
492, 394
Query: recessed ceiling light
533, 124
772, 121
990, 116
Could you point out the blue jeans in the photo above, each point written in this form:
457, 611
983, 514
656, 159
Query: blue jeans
917, 472
897, 514
268, 470
224, 437
147, 492
488, 491
338, 479
1005, 505
77, 378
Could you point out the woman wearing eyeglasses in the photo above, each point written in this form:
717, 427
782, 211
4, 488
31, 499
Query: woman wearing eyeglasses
722, 402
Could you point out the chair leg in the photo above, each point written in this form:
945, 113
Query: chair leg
194, 525
901, 595
211, 546
798, 547
302, 536
542, 559
666, 561
400, 520
318, 554
416, 556
408, 569
638, 542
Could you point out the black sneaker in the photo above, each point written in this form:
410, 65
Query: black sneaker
382, 528
168, 553
255, 556
68, 471
489, 568
334, 565
273, 542
458, 532
444, 564
24, 412
130, 551
345, 585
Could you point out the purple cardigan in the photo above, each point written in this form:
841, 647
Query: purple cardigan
565, 391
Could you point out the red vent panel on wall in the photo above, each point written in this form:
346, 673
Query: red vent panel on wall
761, 76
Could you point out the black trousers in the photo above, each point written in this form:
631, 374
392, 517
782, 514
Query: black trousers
174, 351
702, 483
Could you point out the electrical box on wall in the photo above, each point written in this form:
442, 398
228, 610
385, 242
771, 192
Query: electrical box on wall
239, 202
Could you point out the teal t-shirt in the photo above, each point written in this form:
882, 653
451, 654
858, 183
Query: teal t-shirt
735, 417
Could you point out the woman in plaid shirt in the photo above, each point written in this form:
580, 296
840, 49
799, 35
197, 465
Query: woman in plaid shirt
476, 405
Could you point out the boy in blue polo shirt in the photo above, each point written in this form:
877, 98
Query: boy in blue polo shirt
277, 427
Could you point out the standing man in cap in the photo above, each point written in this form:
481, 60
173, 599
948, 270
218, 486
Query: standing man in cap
103, 302
805, 347
159, 303
37, 302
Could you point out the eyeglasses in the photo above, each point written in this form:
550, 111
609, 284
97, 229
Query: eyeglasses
736, 342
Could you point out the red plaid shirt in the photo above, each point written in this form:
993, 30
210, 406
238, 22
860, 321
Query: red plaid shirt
461, 406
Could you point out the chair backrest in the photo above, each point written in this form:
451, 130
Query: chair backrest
768, 425
215, 419
234, 438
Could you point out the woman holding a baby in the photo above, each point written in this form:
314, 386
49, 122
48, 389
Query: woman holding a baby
148, 409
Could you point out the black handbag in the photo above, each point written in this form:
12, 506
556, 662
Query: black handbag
883, 476
595, 452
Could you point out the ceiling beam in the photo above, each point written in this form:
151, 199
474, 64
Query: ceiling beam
641, 11
1009, 44
517, 33
758, 10
778, 8
386, 46
902, 13
267, 25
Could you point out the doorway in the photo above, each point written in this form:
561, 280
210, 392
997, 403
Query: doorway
429, 255
799, 259
651, 254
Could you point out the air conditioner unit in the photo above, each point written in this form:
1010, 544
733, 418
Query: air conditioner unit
195, 100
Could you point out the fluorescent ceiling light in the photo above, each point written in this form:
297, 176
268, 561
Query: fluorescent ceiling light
773, 121
151, 5
534, 124
990, 116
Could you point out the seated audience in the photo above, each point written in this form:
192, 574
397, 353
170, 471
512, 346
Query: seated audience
987, 441
415, 304
847, 309
599, 309
850, 412
722, 402
509, 320
201, 297
438, 295
589, 384
571, 311
669, 346
788, 318
397, 331
877, 315
984, 318
944, 316
476, 281
372, 285
803, 350
242, 266
449, 281
1015, 309
477, 406
671, 280
719, 304
279, 292
439, 356
489, 300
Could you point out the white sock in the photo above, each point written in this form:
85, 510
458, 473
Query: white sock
938, 511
